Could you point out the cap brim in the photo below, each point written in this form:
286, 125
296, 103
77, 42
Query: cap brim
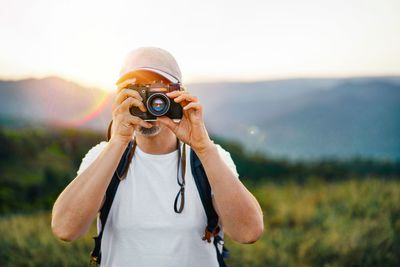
131, 74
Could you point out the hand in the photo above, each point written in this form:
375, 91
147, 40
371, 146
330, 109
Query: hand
124, 122
191, 129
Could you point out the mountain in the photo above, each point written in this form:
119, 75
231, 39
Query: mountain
53, 101
295, 118
310, 118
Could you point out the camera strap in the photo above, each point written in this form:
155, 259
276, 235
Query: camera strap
182, 168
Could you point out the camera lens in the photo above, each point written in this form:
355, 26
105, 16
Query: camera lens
158, 104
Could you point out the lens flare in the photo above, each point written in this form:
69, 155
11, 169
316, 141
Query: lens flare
86, 115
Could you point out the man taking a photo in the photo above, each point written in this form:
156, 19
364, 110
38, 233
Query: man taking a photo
146, 225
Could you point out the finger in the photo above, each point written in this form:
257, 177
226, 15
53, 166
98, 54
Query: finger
133, 120
127, 103
193, 105
187, 97
136, 103
124, 83
168, 122
131, 101
176, 93
125, 93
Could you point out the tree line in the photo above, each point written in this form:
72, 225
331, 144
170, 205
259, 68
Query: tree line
37, 164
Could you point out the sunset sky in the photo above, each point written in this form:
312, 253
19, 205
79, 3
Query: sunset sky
212, 40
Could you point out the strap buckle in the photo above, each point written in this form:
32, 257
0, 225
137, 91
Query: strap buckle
93, 260
208, 234
219, 240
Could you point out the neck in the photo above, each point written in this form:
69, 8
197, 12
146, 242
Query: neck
162, 143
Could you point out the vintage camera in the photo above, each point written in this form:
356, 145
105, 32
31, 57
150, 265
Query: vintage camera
156, 101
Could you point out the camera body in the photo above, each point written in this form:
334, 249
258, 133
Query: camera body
156, 101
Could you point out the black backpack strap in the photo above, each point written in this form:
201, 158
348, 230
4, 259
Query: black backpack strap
95, 256
204, 189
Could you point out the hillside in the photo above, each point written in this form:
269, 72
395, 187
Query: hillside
297, 118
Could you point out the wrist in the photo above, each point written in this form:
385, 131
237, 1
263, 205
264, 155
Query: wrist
205, 149
116, 141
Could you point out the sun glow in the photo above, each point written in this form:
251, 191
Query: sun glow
86, 115
86, 41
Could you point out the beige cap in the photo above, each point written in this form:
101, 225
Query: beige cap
152, 59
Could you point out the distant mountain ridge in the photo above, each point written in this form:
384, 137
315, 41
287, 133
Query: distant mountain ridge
53, 101
295, 118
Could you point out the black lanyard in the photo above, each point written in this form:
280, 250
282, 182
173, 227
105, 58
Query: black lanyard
181, 182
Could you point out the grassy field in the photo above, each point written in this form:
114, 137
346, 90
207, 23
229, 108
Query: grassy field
348, 223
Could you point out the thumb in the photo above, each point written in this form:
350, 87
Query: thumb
168, 122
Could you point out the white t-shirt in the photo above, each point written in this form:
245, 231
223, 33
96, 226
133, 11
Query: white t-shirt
142, 228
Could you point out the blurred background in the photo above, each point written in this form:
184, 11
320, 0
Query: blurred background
305, 95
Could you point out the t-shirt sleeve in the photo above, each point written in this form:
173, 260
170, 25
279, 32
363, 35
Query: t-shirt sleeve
91, 156
226, 156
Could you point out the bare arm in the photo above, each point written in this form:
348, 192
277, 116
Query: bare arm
77, 206
238, 209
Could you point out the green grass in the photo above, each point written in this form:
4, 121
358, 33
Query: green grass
27, 240
348, 223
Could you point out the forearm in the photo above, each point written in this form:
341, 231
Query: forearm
239, 210
77, 206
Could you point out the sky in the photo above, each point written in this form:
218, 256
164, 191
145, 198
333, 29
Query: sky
212, 40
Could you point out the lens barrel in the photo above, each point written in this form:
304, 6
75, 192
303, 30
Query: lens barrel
158, 104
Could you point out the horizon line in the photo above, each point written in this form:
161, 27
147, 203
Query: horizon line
209, 81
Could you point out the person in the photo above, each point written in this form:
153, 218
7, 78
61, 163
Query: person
142, 228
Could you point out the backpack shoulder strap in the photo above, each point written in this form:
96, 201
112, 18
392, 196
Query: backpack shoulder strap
95, 256
204, 189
